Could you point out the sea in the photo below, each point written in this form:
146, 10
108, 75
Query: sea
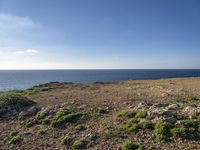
24, 79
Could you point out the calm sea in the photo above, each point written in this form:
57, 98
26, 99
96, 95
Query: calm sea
21, 79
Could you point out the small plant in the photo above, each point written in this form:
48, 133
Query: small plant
46, 121
42, 131
67, 118
191, 124
40, 115
80, 127
64, 116
178, 132
67, 141
16, 139
32, 122
162, 129
80, 144
126, 114
146, 124
141, 114
132, 126
131, 146
115, 133
97, 111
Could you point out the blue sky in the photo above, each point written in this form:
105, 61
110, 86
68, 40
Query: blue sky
99, 34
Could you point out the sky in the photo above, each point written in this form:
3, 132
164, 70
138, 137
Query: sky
99, 34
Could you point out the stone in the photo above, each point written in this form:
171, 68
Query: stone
29, 112
33, 110
170, 119
174, 107
191, 110
142, 105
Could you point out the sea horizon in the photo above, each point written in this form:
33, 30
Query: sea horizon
24, 79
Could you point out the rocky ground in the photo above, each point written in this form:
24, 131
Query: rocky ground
152, 114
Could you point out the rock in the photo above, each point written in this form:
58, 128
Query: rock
160, 112
142, 105
166, 112
2, 110
174, 106
191, 110
33, 110
157, 105
170, 120
29, 112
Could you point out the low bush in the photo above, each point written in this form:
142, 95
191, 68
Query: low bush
80, 144
141, 114
16, 139
42, 131
162, 130
179, 132
14, 100
68, 141
146, 124
127, 114
80, 127
64, 116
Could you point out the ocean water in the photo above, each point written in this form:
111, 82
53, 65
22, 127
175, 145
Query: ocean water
21, 79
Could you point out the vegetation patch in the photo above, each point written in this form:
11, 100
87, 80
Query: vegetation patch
14, 100
179, 132
141, 114
67, 141
42, 131
32, 122
146, 124
16, 139
115, 133
64, 116
80, 127
31, 91
162, 130
80, 144
126, 114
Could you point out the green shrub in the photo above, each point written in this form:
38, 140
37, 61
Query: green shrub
46, 121
178, 132
67, 141
80, 144
191, 123
32, 122
97, 111
162, 130
14, 100
131, 146
115, 133
80, 127
146, 124
16, 139
132, 125
42, 131
127, 114
141, 114
40, 115
64, 116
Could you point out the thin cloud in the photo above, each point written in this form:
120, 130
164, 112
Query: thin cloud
27, 51
13, 21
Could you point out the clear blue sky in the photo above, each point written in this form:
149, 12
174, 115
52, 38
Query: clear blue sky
99, 34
